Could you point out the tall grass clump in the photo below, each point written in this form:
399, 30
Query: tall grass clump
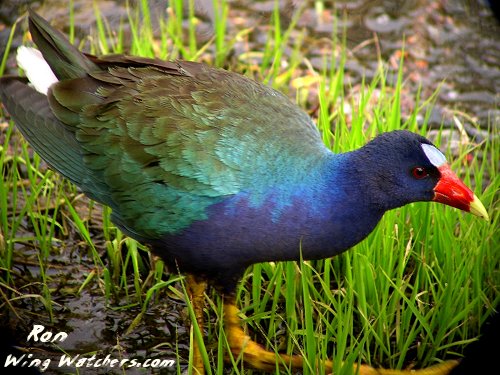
414, 292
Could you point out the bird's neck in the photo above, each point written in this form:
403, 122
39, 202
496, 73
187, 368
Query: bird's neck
345, 209
369, 182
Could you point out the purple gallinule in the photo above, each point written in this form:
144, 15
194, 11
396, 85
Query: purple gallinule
216, 172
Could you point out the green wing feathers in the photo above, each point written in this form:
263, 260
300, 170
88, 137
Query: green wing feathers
158, 141
179, 141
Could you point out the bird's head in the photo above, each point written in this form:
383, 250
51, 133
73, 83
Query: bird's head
403, 167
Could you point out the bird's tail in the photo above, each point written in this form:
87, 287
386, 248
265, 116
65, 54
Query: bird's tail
65, 60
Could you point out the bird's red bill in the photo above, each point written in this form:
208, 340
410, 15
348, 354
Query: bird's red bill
452, 191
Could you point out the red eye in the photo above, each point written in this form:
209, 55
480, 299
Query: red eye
419, 173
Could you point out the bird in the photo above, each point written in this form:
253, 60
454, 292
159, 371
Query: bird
215, 171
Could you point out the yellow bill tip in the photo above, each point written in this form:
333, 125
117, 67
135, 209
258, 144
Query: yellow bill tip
477, 208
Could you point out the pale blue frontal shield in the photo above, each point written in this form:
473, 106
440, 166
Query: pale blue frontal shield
435, 156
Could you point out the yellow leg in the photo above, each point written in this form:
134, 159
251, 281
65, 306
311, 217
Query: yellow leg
196, 290
242, 346
251, 352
